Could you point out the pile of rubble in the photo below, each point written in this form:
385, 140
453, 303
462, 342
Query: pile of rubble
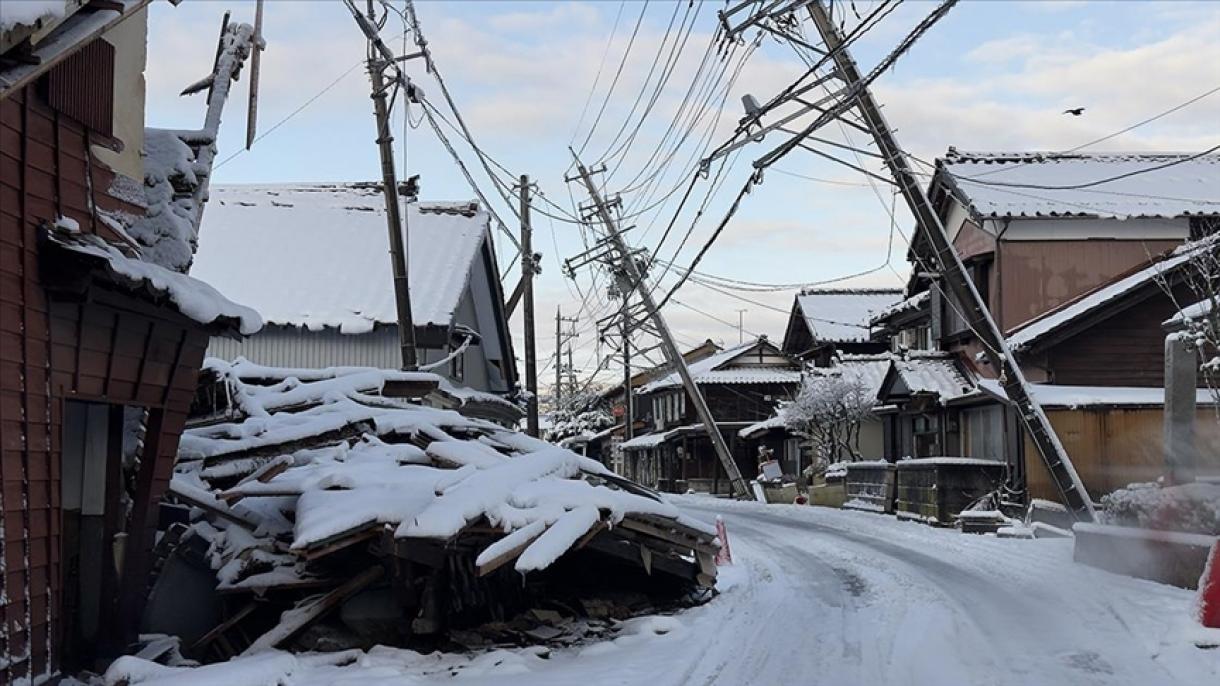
347, 507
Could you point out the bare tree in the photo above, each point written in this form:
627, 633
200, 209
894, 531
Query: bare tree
829, 410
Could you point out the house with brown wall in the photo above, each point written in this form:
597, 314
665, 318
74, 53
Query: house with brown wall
1081, 277
100, 345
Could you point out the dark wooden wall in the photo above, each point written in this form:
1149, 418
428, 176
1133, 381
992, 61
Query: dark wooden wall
110, 348
1127, 349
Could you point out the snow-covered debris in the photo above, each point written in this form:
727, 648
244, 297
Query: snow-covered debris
298, 231
192, 297
300, 472
1065, 184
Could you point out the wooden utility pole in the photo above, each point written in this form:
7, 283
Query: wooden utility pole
528, 270
379, 59
961, 287
625, 262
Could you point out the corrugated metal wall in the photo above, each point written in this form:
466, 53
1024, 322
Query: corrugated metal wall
292, 347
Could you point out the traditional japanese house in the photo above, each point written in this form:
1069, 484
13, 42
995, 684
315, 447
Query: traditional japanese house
824, 321
312, 260
101, 333
1036, 230
605, 444
742, 385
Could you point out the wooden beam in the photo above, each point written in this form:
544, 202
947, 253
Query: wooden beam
508, 555
343, 540
224, 626
292, 622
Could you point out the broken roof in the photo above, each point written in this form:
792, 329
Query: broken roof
835, 315
1117, 185
310, 464
719, 368
190, 296
1032, 332
316, 255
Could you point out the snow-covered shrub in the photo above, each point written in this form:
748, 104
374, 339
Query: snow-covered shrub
829, 410
1202, 317
577, 414
1192, 508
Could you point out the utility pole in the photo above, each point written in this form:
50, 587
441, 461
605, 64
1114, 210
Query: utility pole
560, 338
628, 396
961, 287
528, 270
627, 264
380, 57
741, 335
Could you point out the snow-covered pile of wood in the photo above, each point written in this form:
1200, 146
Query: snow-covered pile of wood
360, 479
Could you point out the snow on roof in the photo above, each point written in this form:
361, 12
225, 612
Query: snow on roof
1034, 330
1152, 185
911, 304
30, 12
843, 315
932, 372
1049, 395
707, 370
759, 428
193, 297
646, 441
424, 472
316, 255
1197, 311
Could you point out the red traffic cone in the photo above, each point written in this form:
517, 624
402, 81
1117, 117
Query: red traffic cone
1209, 590
724, 556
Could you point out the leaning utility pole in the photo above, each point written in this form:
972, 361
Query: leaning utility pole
379, 58
961, 287
627, 264
528, 270
628, 398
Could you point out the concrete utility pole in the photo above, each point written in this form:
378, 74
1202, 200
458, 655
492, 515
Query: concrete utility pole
625, 261
960, 286
528, 270
741, 329
560, 339
389, 181
628, 397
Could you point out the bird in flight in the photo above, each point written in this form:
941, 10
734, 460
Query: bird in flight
1075, 111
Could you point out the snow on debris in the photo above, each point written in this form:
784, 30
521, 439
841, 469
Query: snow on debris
996, 184
843, 315
194, 298
335, 459
167, 233
326, 246
1034, 330
30, 12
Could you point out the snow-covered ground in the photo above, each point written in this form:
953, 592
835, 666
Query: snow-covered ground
821, 596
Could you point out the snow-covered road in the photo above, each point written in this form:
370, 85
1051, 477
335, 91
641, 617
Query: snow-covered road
821, 596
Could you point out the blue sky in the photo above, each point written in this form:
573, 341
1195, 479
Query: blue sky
991, 75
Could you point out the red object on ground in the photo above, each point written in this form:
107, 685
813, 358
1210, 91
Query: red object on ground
724, 556
800, 500
1209, 590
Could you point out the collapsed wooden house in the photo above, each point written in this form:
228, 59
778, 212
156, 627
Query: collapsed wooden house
359, 489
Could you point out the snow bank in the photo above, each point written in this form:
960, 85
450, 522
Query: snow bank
257, 670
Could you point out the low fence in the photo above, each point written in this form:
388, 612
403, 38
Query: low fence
935, 490
869, 486
1168, 557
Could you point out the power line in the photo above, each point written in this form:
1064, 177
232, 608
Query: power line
617, 74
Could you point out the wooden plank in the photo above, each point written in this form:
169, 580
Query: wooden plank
293, 621
673, 537
344, 540
224, 626
508, 555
